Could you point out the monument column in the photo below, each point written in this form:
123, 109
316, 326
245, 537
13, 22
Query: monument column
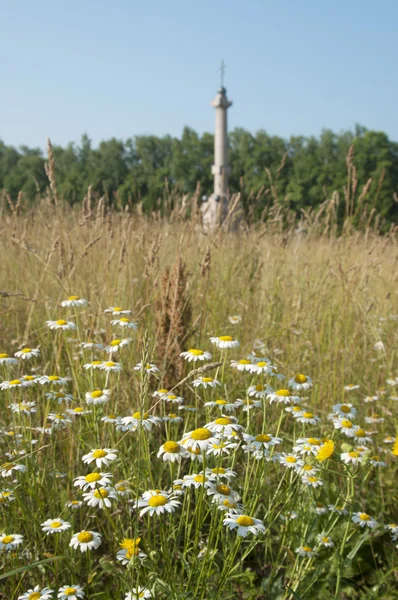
220, 169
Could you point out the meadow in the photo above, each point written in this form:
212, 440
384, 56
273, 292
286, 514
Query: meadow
233, 436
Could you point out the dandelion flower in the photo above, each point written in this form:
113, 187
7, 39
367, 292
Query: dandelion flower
325, 451
224, 341
102, 456
37, 593
244, 524
54, 526
92, 480
158, 504
61, 324
364, 520
86, 540
194, 354
10, 541
300, 382
27, 353
74, 301
5, 359
124, 322
70, 592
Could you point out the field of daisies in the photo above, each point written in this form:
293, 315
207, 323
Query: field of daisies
266, 470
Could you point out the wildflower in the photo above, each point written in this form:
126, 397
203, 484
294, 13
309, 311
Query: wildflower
249, 404
288, 516
54, 526
115, 345
312, 481
197, 481
95, 364
27, 353
146, 421
394, 450
171, 451
300, 382
290, 461
234, 508
74, 301
351, 387
37, 594
218, 473
102, 456
340, 510
53, 379
158, 504
244, 524
241, 365
205, 382
29, 380
351, 457
200, 438
194, 354
98, 396
309, 470
78, 410
149, 368
376, 461
393, 529
307, 446
160, 393
306, 551
112, 418
345, 411
235, 319
86, 540
122, 488
172, 418
361, 436
70, 592
374, 419
74, 504
172, 398
224, 341
59, 419
220, 447
10, 541
9, 385
129, 549
61, 324
364, 520
138, 593
91, 346
262, 440
100, 497
5, 359
259, 390
325, 451
6, 497
221, 492
320, 508
283, 396
23, 407
117, 311
124, 322
110, 366
307, 418
379, 347
92, 480
224, 425
60, 396
6, 469
345, 425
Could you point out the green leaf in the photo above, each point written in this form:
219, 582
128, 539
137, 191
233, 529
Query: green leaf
295, 594
31, 566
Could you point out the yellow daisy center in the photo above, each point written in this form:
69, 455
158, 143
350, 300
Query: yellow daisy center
229, 504
195, 451
84, 537
283, 393
308, 415
291, 459
245, 521
259, 388
354, 454
70, 591
78, 409
3, 355
300, 378
223, 421
124, 320
225, 338
26, 350
220, 401
74, 298
345, 409
196, 352
96, 394
110, 364
15, 382
117, 309
158, 500
137, 415
162, 391
172, 447
53, 378
60, 322
223, 489
199, 478
96, 362
314, 441
201, 434
262, 364
364, 517
346, 423
207, 379
360, 433
262, 437
307, 549
99, 454
115, 342
56, 524
34, 596
307, 468
91, 477
8, 539
325, 540
29, 377
101, 493
312, 479
218, 470
243, 361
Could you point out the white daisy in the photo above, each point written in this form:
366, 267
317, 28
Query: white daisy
221, 447
283, 396
197, 481
115, 345
364, 520
136, 420
129, 550
29, 380
102, 456
78, 411
122, 488
345, 411
138, 593
242, 365
171, 451
221, 492
59, 419
74, 301
117, 311
300, 382
194, 354
376, 461
9, 385
306, 551
354, 458
70, 592
224, 341
235, 319
112, 418
351, 387
100, 497
7, 469
312, 481
74, 504
250, 404
259, 391
23, 407
172, 418
172, 398
307, 418
224, 426
393, 529
59, 396
95, 364
262, 440
110, 366
345, 425
361, 436
124, 322
5, 359
158, 504
149, 367
98, 396
244, 524
374, 419
61, 324
10, 541
53, 380
201, 439
339, 510
37, 593
91, 346
27, 353
290, 461
320, 508
206, 382
86, 540
54, 526
263, 367
218, 473
307, 446
233, 508
92, 480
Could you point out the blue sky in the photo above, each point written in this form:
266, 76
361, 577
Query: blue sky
122, 68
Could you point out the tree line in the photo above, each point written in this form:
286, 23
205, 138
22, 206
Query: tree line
302, 172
